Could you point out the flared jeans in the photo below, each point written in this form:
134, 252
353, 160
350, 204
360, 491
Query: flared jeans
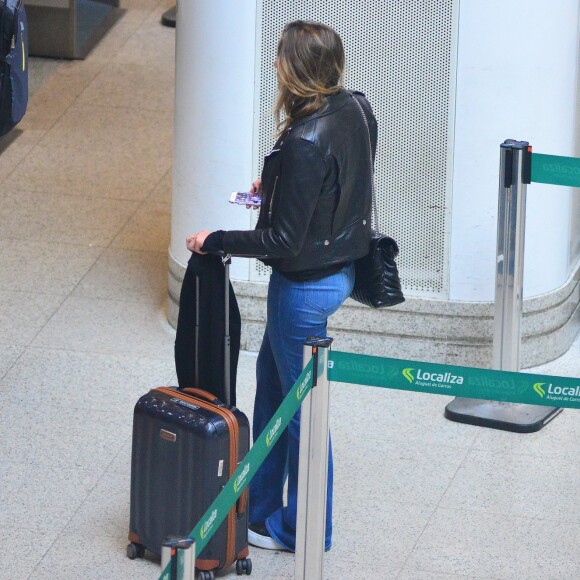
296, 311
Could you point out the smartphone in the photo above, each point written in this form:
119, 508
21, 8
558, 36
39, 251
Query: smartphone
245, 198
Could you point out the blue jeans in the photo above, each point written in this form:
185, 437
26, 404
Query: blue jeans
296, 310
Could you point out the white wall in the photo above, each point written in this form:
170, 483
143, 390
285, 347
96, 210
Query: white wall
215, 59
516, 78
517, 68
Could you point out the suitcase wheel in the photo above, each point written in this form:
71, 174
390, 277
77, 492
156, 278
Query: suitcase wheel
244, 566
135, 551
205, 575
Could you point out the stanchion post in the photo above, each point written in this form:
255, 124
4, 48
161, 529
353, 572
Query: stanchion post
514, 174
178, 559
227, 340
313, 465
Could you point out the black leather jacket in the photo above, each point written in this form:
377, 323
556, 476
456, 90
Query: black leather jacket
317, 191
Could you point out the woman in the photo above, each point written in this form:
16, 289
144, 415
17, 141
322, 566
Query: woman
314, 222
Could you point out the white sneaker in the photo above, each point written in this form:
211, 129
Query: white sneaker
259, 536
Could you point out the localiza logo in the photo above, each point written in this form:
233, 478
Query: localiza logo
554, 391
240, 479
302, 387
359, 366
273, 432
433, 377
208, 524
538, 388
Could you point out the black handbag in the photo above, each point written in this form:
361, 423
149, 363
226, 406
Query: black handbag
376, 279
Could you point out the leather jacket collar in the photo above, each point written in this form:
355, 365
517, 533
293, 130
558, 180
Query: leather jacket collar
333, 103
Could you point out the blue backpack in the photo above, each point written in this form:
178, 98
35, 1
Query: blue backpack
13, 64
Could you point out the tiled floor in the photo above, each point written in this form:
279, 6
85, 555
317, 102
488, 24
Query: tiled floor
85, 195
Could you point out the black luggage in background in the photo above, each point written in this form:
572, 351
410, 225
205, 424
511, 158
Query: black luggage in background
13, 64
186, 446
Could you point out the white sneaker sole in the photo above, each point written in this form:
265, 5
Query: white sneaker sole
264, 542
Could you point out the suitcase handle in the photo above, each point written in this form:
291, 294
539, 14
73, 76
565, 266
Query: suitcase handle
226, 259
200, 394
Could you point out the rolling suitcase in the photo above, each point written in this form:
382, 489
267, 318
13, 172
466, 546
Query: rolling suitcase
186, 446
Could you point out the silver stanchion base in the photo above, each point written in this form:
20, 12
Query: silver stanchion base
497, 415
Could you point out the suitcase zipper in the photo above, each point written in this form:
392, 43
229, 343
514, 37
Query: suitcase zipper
14, 36
232, 424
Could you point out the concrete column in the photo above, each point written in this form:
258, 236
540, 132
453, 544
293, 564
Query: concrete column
525, 88
213, 134
218, 54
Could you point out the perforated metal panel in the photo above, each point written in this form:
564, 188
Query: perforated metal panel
402, 56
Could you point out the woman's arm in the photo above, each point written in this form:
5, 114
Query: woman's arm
196, 242
302, 172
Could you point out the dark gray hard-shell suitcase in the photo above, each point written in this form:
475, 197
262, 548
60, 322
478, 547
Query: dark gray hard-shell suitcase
186, 446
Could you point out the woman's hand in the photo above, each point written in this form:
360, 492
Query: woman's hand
256, 186
195, 242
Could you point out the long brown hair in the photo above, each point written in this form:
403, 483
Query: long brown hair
310, 64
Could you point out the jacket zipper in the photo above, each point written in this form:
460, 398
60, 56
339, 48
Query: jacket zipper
272, 201
250, 256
